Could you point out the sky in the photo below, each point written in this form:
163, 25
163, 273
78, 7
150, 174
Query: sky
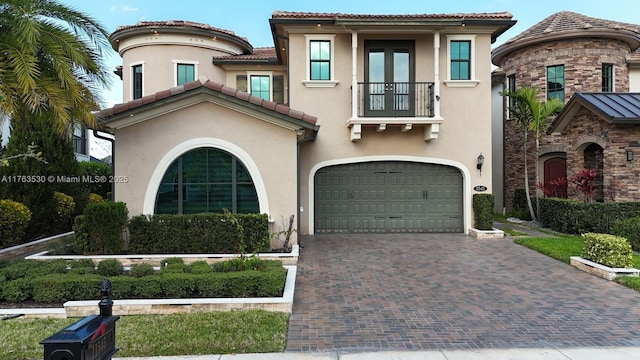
250, 18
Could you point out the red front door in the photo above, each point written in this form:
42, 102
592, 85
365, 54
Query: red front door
555, 171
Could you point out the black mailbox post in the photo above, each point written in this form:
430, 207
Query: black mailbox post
91, 338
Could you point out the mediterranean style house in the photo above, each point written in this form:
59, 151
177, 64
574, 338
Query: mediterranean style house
593, 65
352, 123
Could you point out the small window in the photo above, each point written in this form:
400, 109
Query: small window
460, 53
607, 77
277, 95
260, 86
241, 82
511, 87
185, 73
555, 82
80, 139
320, 60
136, 72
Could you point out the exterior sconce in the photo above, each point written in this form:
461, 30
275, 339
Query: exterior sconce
629, 155
480, 162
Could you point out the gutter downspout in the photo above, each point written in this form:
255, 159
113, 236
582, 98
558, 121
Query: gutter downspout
113, 160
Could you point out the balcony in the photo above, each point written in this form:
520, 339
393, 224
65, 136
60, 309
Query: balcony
399, 99
403, 104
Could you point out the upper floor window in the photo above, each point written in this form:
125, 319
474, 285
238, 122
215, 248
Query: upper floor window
262, 84
136, 81
185, 72
460, 60
320, 61
607, 77
511, 87
555, 82
80, 139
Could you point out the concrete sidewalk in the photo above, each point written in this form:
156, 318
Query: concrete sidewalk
605, 353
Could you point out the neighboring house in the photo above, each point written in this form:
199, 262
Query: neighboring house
592, 65
353, 123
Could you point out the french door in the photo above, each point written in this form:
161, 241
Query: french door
389, 78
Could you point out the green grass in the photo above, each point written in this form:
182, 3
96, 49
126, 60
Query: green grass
232, 332
512, 232
564, 246
560, 247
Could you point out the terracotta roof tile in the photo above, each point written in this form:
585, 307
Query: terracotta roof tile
258, 54
337, 16
177, 23
106, 114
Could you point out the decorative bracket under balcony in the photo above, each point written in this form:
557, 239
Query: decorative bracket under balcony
431, 125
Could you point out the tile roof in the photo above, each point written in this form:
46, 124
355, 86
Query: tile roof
108, 115
177, 23
336, 16
262, 54
567, 24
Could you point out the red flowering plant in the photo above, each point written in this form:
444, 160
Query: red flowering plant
554, 188
584, 181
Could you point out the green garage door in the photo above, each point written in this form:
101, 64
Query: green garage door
387, 196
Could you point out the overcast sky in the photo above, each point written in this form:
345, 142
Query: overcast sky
250, 18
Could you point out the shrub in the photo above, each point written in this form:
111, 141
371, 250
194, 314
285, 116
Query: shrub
610, 250
173, 265
576, 217
95, 198
14, 220
97, 170
630, 229
141, 270
103, 224
483, 211
200, 267
110, 267
65, 209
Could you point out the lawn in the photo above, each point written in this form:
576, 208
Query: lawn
232, 332
562, 247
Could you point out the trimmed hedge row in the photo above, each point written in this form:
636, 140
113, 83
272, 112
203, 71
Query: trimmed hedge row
573, 217
199, 233
57, 288
483, 211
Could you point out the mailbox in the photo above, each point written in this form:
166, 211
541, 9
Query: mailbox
90, 338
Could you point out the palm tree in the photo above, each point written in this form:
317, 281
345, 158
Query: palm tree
50, 62
533, 116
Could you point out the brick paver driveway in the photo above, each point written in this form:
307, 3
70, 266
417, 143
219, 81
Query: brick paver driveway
450, 291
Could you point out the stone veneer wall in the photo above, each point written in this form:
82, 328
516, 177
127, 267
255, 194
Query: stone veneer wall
582, 59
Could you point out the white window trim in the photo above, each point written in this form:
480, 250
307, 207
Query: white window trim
462, 83
261, 73
184, 62
131, 66
332, 82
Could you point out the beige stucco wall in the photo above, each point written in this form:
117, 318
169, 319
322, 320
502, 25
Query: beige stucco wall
158, 61
146, 149
634, 79
464, 134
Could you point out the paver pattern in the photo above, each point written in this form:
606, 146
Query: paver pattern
362, 292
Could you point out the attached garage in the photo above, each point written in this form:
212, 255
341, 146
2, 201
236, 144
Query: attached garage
388, 196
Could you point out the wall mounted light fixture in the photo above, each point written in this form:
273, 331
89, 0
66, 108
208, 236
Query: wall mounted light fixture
629, 155
480, 162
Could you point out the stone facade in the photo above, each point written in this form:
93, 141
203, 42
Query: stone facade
582, 59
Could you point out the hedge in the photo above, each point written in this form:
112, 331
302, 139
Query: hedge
483, 211
99, 230
610, 250
14, 220
58, 287
628, 228
574, 217
198, 233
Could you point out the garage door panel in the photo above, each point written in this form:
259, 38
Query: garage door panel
388, 197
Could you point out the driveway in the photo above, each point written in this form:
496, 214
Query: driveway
369, 292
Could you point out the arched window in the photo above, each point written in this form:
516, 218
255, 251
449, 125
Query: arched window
206, 180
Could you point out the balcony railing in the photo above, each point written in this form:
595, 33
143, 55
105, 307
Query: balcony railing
400, 99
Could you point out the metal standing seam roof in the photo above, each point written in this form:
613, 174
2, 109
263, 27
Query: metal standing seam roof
619, 107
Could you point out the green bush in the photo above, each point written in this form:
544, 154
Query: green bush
141, 270
95, 198
242, 264
17, 291
101, 228
630, 229
14, 220
65, 209
576, 217
520, 206
97, 170
200, 267
172, 265
610, 250
198, 233
483, 211
110, 267
33, 268
56, 289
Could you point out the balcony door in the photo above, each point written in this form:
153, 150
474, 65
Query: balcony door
389, 78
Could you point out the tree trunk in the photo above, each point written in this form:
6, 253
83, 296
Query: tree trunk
526, 178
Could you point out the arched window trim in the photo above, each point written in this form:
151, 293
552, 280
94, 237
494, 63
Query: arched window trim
192, 144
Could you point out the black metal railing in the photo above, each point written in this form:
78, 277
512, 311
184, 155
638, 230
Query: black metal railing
400, 99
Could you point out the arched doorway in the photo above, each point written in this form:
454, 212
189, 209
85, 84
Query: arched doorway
206, 180
594, 159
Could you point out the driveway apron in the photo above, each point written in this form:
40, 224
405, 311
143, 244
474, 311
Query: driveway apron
370, 292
